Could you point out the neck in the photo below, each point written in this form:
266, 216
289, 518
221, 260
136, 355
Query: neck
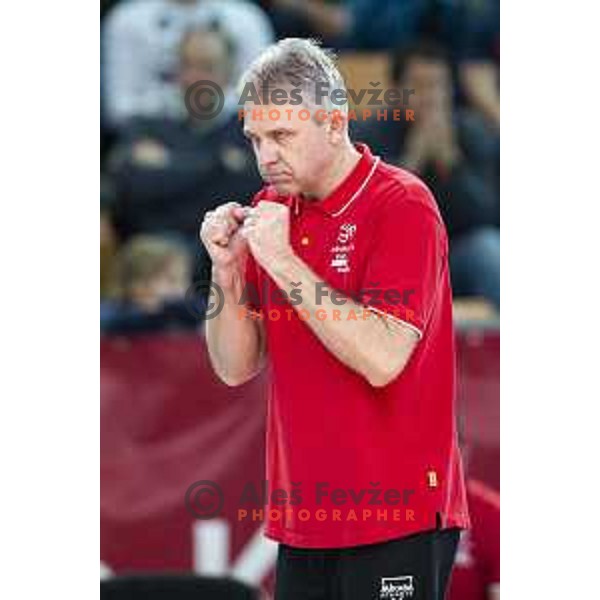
345, 163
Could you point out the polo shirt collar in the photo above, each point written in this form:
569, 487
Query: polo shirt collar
349, 189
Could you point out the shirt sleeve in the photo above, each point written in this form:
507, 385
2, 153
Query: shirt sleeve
407, 259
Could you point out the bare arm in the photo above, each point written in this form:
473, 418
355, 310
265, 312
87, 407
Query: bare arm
377, 348
236, 346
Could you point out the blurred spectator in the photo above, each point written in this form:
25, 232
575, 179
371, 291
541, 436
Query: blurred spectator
311, 18
140, 46
151, 278
479, 57
108, 235
108, 245
169, 172
364, 24
476, 573
451, 156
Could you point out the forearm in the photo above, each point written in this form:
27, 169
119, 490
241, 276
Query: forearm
364, 342
235, 344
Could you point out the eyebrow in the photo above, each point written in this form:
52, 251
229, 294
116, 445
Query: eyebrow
249, 133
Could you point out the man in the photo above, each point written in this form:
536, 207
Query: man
168, 172
141, 42
348, 258
455, 158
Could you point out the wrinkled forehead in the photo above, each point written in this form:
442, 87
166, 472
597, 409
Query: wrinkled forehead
263, 118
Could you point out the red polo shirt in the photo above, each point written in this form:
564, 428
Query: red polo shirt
348, 463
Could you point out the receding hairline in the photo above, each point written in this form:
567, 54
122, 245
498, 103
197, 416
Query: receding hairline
297, 63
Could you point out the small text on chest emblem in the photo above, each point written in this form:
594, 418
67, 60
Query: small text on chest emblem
347, 231
340, 259
340, 253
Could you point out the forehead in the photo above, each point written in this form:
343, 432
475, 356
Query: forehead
265, 118
198, 46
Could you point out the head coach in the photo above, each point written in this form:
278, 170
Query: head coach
352, 315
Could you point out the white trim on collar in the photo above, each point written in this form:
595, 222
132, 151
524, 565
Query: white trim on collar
359, 190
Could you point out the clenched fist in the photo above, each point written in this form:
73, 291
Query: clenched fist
220, 234
267, 229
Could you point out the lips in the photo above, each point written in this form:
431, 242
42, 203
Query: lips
277, 176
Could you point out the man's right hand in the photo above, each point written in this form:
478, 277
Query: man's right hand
220, 234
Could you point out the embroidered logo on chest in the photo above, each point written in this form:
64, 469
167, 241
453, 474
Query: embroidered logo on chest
347, 231
340, 259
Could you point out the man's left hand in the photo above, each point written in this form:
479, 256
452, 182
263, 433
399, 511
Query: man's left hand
267, 229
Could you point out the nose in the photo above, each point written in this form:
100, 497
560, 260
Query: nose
268, 153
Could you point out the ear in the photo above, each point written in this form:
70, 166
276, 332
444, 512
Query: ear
337, 125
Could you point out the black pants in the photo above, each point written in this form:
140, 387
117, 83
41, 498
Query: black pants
416, 567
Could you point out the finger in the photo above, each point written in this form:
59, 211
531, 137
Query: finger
227, 210
220, 240
222, 227
219, 233
229, 217
239, 213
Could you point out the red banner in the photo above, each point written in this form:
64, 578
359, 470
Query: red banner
168, 424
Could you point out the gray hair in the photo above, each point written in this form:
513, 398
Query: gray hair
302, 64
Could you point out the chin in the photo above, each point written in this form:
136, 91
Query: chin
286, 188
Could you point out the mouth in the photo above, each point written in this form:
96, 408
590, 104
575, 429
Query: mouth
277, 177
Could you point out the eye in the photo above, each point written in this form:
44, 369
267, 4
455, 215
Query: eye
280, 135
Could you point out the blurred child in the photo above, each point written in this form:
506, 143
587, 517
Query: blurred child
151, 277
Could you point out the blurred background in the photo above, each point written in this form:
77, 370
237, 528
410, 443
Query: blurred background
166, 422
